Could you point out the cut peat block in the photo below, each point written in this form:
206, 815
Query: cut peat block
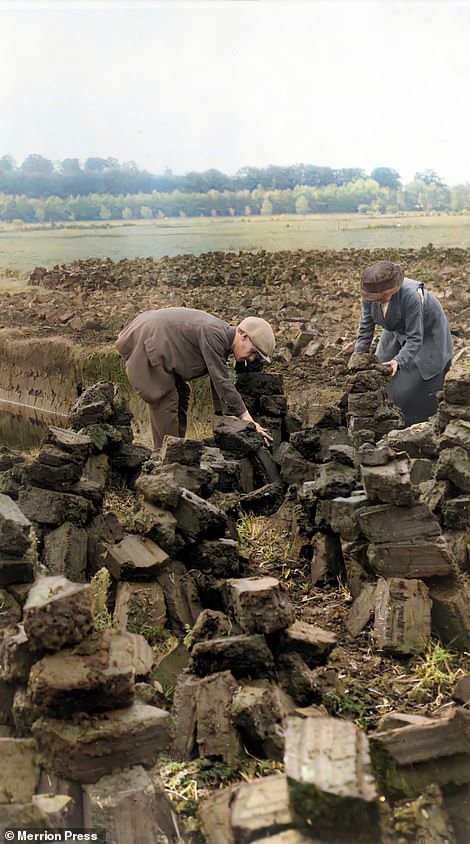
16, 569
19, 771
389, 483
330, 780
362, 610
247, 812
220, 557
16, 658
312, 643
450, 615
408, 758
179, 450
98, 745
15, 529
134, 558
454, 465
48, 507
402, 619
417, 560
263, 501
131, 806
181, 597
257, 712
244, 656
216, 735
341, 515
139, 606
462, 690
389, 523
57, 613
420, 440
235, 437
96, 675
65, 552
198, 480
260, 604
184, 716
197, 519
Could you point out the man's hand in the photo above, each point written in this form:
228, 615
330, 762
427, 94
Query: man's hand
393, 366
247, 417
267, 436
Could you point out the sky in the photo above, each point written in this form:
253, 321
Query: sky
233, 83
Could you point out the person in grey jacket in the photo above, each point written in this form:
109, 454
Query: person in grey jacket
415, 340
164, 349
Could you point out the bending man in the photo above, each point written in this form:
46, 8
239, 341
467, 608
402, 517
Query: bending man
164, 349
416, 339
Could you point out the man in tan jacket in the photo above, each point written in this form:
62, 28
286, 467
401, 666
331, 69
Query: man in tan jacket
165, 349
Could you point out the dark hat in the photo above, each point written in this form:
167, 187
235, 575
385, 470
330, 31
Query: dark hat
381, 279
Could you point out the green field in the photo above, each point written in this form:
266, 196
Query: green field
24, 247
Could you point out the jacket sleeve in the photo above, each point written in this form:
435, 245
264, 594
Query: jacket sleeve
414, 330
366, 328
213, 350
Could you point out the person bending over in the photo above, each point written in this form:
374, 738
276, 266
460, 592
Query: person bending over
166, 348
415, 341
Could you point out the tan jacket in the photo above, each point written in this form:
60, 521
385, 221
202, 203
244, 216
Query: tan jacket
157, 345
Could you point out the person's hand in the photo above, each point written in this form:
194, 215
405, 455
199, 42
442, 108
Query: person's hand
267, 436
393, 364
352, 361
247, 417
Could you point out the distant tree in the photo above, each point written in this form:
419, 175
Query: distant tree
70, 167
267, 207
302, 205
316, 176
128, 166
216, 180
249, 178
348, 174
386, 177
36, 164
460, 197
429, 177
7, 164
95, 165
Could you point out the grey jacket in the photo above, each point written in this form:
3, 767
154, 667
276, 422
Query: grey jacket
157, 345
416, 330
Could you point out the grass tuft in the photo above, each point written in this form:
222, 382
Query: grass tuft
435, 674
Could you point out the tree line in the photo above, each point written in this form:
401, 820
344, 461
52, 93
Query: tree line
102, 189
38, 177
363, 196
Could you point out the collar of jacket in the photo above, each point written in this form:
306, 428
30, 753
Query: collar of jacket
230, 337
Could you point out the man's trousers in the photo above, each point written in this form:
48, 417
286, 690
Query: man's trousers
169, 414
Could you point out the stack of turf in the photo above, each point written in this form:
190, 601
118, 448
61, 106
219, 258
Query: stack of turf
104, 417
245, 638
393, 534
317, 464
453, 466
370, 414
264, 396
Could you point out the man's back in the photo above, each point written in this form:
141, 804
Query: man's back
177, 339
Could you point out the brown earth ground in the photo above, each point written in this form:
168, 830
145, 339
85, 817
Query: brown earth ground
90, 301
298, 291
